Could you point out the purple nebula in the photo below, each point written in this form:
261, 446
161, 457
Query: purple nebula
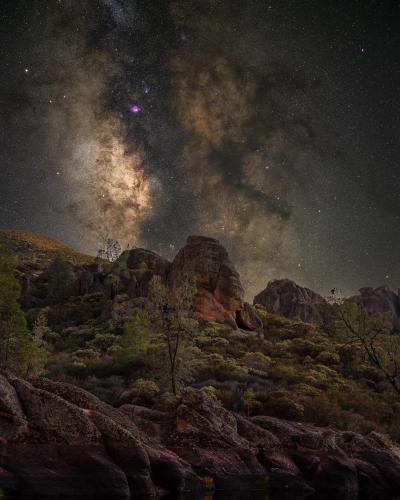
135, 108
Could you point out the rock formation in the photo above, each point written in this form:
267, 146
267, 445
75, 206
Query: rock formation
57, 439
125, 283
124, 286
219, 291
381, 300
132, 272
288, 299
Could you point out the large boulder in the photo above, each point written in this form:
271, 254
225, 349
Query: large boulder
59, 440
381, 300
286, 298
219, 291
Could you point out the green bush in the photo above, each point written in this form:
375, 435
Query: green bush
142, 392
280, 404
328, 358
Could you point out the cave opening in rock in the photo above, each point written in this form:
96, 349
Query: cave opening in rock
239, 321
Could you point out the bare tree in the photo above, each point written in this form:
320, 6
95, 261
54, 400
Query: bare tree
110, 250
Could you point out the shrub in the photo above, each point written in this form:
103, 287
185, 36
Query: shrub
210, 390
328, 358
371, 373
103, 341
256, 360
107, 389
281, 405
167, 401
135, 339
83, 355
142, 392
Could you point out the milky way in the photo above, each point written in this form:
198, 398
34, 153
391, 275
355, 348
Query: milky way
272, 126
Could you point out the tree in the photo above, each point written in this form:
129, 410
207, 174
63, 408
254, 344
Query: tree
249, 402
14, 335
135, 339
110, 250
12, 321
41, 330
172, 313
60, 279
39, 348
373, 334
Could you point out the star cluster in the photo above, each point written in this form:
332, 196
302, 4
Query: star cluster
272, 126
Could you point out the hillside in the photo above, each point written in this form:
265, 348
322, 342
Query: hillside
112, 329
96, 318
31, 247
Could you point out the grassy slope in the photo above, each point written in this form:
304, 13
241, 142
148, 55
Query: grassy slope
39, 248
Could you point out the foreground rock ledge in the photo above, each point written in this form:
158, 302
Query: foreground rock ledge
57, 439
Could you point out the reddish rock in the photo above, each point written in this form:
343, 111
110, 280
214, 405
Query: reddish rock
127, 452
75, 444
288, 299
12, 418
219, 291
173, 474
86, 402
53, 419
204, 416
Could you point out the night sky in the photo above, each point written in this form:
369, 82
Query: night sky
270, 125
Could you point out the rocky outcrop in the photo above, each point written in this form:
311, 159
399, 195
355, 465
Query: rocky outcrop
288, 299
381, 300
219, 291
122, 285
127, 282
57, 439
132, 272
